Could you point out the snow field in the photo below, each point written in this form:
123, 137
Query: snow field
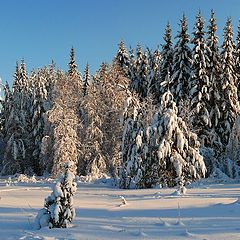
210, 211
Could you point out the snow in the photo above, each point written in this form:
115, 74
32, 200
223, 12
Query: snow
208, 210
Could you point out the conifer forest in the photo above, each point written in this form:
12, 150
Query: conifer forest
164, 116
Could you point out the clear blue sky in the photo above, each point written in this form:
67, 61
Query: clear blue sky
42, 30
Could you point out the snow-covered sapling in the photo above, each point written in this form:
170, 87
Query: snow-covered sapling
58, 211
182, 190
9, 182
124, 202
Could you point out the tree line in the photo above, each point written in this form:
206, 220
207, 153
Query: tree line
166, 116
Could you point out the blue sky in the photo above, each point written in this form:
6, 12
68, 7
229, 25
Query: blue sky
42, 30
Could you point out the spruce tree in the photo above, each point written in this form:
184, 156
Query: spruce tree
139, 72
86, 79
181, 68
26, 112
230, 163
132, 144
16, 159
49, 75
229, 98
173, 148
132, 69
72, 66
166, 64
5, 111
101, 76
143, 73
6, 103
58, 211
158, 147
199, 85
154, 76
237, 59
40, 95
135, 70
16, 78
214, 73
122, 58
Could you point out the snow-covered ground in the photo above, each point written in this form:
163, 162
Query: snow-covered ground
207, 211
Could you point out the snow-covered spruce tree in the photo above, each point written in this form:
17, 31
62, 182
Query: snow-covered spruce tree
40, 95
6, 103
143, 73
181, 68
237, 59
147, 166
213, 144
46, 153
166, 63
132, 70
17, 158
135, 64
175, 149
132, 143
26, 115
122, 58
72, 66
199, 86
139, 73
154, 76
58, 211
231, 159
229, 95
50, 76
86, 79
214, 73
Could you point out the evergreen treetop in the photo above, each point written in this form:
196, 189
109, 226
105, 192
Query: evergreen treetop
86, 79
72, 66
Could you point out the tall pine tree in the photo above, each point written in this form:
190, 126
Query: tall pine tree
199, 84
166, 64
40, 95
181, 68
86, 79
237, 59
229, 97
72, 66
17, 154
154, 75
214, 73
122, 58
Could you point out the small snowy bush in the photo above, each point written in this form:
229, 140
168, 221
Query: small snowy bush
58, 211
9, 182
22, 178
